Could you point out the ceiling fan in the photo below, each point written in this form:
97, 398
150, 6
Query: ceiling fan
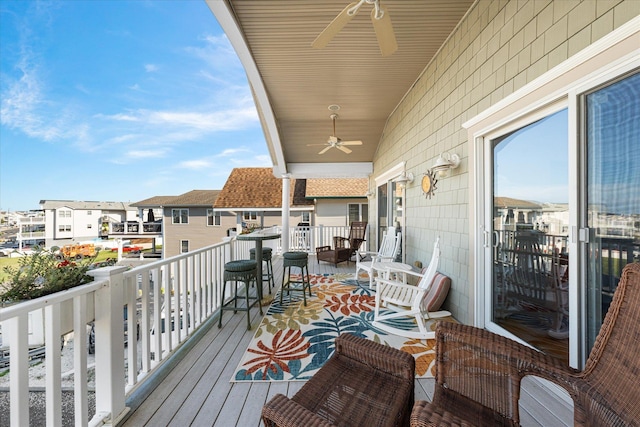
335, 142
381, 24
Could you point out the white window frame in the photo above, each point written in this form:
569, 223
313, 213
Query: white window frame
215, 216
173, 221
182, 244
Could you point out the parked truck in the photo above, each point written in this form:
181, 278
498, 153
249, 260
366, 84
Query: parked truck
78, 251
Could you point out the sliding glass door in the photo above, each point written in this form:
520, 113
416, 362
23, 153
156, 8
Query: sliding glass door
530, 228
612, 214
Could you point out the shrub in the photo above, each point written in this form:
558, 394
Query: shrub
43, 273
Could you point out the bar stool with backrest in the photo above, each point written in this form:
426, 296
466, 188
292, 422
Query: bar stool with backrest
298, 260
245, 271
267, 273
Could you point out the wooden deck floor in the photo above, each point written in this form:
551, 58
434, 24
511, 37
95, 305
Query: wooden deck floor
197, 391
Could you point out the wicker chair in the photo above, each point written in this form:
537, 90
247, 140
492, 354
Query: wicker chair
478, 373
344, 247
364, 383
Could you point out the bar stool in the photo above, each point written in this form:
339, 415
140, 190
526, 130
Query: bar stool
299, 260
240, 271
267, 273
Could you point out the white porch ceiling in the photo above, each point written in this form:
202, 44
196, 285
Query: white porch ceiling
294, 84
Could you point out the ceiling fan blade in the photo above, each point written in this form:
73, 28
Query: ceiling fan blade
315, 145
327, 148
333, 28
350, 142
345, 149
384, 32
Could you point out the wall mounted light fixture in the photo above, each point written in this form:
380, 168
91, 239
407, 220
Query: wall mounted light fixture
405, 178
445, 163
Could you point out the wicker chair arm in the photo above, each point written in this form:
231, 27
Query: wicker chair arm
525, 360
323, 248
339, 242
281, 411
468, 356
386, 359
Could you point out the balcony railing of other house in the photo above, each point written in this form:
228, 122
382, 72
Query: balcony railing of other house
136, 227
165, 302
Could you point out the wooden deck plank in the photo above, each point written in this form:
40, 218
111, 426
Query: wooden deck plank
198, 390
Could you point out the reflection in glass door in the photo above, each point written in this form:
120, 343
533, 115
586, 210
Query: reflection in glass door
530, 219
613, 192
390, 208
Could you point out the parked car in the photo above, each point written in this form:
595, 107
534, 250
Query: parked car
129, 248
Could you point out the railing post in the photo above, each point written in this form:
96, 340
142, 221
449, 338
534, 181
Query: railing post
109, 332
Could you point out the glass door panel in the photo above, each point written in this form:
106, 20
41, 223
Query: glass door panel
613, 192
530, 221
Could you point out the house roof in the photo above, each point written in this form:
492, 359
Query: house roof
153, 202
191, 198
319, 188
87, 205
508, 202
258, 188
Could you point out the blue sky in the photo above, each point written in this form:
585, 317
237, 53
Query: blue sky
119, 101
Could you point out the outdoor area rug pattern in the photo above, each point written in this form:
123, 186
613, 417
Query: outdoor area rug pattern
293, 341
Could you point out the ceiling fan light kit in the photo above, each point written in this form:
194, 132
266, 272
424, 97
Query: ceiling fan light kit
334, 141
379, 18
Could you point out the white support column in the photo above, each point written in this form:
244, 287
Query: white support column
286, 188
109, 333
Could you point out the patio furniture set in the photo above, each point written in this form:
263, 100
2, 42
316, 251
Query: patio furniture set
478, 373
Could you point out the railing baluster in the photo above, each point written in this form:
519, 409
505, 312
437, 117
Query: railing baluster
53, 365
81, 409
19, 369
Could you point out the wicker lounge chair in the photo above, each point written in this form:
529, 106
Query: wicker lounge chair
344, 247
364, 383
478, 373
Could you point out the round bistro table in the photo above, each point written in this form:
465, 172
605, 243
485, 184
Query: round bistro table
258, 237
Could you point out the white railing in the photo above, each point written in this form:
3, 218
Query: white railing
308, 238
163, 302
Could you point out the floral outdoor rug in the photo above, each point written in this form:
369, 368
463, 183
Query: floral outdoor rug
293, 341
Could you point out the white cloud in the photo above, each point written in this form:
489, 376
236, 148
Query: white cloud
195, 164
151, 68
146, 154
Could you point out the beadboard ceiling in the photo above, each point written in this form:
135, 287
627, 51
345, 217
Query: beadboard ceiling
294, 84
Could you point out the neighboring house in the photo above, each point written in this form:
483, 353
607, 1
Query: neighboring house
254, 195
189, 221
69, 221
338, 201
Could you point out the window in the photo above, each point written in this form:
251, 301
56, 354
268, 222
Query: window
358, 212
184, 246
213, 218
89, 225
306, 217
89, 213
64, 214
64, 228
250, 216
180, 216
